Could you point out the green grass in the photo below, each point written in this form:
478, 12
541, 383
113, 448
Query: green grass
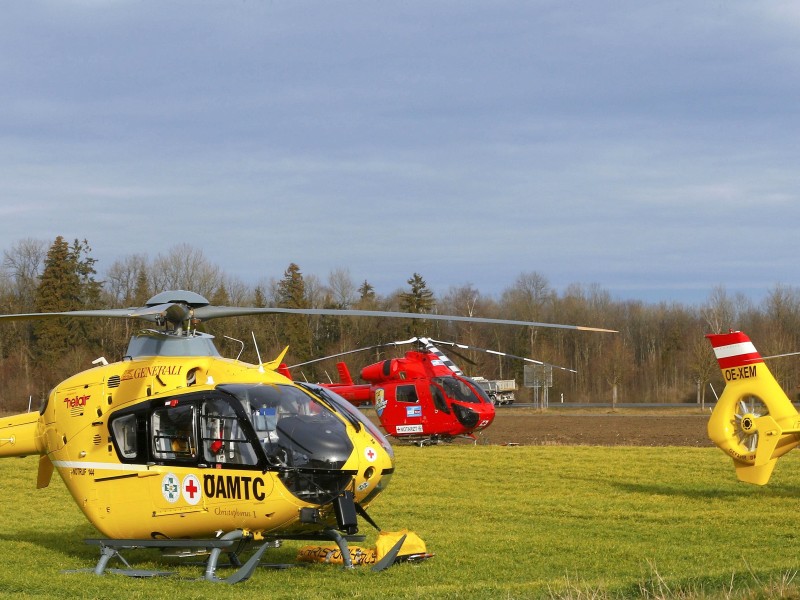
504, 522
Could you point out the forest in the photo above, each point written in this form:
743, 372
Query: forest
658, 355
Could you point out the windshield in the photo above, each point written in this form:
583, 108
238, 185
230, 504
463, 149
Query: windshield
457, 389
343, 406
479, 389
293, 428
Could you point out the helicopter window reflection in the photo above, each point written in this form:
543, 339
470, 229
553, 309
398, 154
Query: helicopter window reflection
267, 405
174, 433
124, 430
223, 438
438, 398
406, 393
458, 390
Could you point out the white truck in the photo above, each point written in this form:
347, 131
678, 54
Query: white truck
500, 391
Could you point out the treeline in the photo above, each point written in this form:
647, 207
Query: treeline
659, 355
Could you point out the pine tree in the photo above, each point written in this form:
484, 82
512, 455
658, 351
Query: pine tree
142, 291
366, 292
259, 297
67, 283
292, 294
419, 299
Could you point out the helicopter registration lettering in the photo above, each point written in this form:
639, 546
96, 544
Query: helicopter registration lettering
143, 372
234, 487
737, 373
402, 429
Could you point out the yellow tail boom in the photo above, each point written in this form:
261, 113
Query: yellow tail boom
754, 422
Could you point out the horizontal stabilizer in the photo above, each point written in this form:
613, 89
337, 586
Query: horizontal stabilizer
769, 434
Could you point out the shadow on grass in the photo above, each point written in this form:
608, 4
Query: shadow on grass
69, 549
662, 489
69, 543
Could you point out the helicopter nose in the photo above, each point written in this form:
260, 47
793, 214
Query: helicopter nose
466, 416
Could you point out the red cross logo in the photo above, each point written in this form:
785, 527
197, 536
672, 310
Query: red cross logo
370, 454
191, 489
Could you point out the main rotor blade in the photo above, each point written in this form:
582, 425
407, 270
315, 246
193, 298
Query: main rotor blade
174, 313
213, 312
205, 313
346, 352
498, 353
113, 313
774, 356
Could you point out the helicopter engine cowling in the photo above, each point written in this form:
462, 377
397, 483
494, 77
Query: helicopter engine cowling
380, 371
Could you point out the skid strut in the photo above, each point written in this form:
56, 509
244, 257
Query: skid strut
110, 548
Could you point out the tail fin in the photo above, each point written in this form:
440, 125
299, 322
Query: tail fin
754, 421
344, 374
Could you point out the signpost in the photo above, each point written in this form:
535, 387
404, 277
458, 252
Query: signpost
539, 377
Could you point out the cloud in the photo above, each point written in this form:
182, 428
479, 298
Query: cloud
645, 147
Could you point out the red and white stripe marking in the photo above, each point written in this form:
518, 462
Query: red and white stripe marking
734, 349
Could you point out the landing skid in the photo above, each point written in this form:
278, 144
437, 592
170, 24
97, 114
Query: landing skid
231, 543
432, 440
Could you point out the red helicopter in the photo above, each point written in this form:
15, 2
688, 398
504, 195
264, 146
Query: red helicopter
422, 397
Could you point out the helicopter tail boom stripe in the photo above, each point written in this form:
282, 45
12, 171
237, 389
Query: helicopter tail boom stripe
734, 350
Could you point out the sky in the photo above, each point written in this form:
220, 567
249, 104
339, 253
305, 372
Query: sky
648, 148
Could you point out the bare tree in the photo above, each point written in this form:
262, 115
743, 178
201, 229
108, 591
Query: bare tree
342, 289
185, 267
702, 365
719, 312
123, 280
24, 263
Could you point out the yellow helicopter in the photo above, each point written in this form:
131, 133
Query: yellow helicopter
177, 448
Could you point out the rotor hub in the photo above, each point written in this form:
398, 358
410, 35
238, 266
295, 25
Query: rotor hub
748, 423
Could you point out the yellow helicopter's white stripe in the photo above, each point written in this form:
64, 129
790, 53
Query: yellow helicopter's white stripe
78, 464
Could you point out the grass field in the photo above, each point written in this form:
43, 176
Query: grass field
503, 522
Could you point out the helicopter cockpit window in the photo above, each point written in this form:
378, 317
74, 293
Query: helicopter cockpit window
223, 438
292, 426
124, 430
479, 390
173, 430
438, 398
458, 390
268, 404
406, 393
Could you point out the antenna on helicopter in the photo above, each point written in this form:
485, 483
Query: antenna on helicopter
258, 354
235, 340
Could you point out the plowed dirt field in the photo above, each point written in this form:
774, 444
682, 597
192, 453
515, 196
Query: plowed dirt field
655, 428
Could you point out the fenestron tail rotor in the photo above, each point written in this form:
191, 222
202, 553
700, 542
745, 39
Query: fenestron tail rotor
748, 410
